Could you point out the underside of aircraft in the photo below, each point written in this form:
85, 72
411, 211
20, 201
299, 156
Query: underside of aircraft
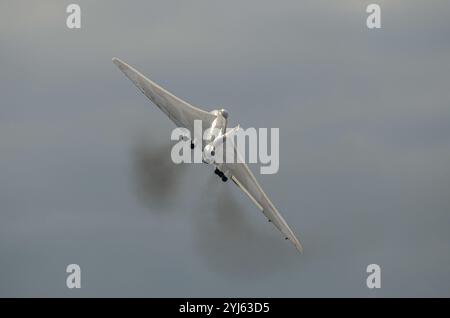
184, 115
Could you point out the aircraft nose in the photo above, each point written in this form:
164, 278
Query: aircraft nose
224, 113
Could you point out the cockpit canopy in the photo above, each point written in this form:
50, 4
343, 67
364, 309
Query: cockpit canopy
224, 113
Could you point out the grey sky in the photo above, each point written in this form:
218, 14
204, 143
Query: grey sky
364, 121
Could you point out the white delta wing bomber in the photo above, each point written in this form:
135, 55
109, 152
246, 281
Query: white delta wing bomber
184, 115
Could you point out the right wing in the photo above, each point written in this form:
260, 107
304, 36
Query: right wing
246, 181
180, 112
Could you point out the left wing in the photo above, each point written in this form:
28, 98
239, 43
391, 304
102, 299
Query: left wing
180, 112
246, 181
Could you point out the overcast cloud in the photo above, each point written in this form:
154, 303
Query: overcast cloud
364, 118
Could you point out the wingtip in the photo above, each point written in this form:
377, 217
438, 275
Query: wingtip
116, 61
296, 244
119, 63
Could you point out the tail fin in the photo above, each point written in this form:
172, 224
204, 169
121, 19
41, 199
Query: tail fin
228, 135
